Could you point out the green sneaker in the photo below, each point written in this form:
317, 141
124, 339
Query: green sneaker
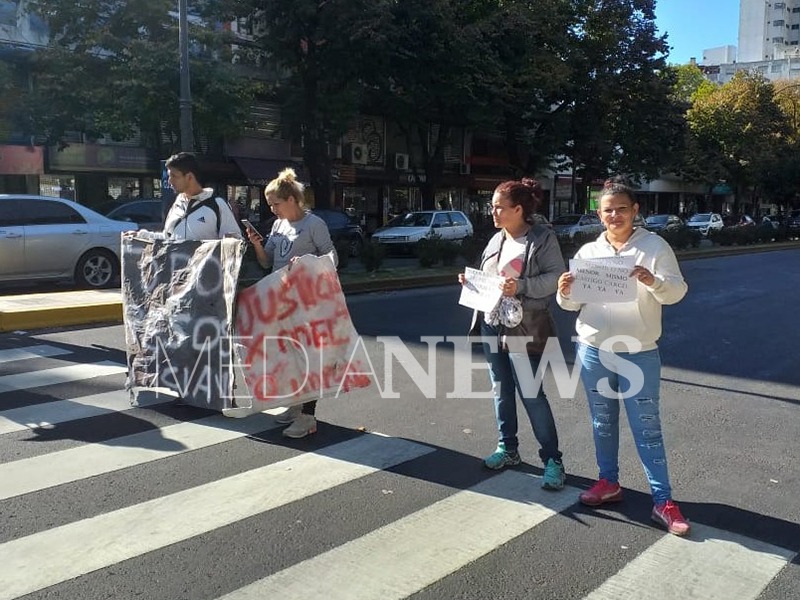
554, 476
502, 458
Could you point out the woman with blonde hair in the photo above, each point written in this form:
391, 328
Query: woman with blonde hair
295, 232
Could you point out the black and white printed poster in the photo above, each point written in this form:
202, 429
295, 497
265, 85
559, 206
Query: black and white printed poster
178, 301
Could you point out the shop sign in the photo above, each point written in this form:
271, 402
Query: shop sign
95, 157
21, 160
412, 179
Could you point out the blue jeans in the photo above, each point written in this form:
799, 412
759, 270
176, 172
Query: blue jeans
636, 378
505, 385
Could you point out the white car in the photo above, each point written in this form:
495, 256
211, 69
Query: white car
705, 222
44, 238
413, 227
566, 226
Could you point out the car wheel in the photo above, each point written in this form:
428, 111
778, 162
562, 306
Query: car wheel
356, 244
96, 269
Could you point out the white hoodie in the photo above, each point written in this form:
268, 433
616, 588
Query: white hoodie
641, 319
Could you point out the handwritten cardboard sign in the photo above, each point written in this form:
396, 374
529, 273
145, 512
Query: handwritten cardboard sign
603, 280
296, 338
480, 291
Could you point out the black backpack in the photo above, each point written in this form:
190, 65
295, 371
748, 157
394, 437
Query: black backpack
213, 204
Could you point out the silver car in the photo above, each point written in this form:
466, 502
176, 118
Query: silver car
411, 228
44, 238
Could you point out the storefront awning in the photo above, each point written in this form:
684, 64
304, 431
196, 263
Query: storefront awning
260, 171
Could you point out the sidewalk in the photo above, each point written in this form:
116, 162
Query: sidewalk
61, 309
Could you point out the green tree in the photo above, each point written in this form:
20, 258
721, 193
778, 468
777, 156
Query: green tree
325, 50
112, 68
622, 115
527, 94
737, 132
436, 81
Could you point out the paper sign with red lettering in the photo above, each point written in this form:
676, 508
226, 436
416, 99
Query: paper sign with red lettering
295, 337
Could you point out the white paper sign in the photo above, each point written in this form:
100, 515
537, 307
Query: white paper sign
480, 291
603, 280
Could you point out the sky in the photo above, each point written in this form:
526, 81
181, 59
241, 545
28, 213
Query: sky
694, 25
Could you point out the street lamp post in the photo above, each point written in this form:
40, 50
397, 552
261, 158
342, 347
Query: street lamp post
185, 102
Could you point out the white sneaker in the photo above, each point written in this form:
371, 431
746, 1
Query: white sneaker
289, 415
301, 427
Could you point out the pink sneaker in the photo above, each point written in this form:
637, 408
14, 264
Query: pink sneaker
601, 492
669, 515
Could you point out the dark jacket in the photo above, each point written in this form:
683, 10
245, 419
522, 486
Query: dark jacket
537, 283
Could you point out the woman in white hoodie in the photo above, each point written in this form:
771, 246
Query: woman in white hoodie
618, 353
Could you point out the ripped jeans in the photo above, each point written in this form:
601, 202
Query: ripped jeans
636, 378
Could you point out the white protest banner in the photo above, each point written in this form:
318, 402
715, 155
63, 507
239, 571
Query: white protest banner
296, 339
480, 291
602, 280
177, 301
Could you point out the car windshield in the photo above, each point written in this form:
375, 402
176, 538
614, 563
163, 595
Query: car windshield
566, 220
415, 220
657, 220
700, 218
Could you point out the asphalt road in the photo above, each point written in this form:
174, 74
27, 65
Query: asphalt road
129, 504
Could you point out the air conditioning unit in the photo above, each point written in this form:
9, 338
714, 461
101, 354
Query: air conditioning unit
401, 162
358, 154
464, 168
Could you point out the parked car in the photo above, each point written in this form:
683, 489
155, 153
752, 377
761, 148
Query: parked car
639, 221
793, 222
566, 226
44, 238
663, 222
705, 222
147, 214
415, 226
342, 227
774, 221
540, 219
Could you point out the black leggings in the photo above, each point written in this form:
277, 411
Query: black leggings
309, 408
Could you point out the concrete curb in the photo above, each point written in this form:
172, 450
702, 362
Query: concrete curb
39, 311
61, 309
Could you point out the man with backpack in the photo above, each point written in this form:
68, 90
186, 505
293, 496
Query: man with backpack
196, 213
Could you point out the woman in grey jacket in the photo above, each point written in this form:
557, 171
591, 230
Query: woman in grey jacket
529, 259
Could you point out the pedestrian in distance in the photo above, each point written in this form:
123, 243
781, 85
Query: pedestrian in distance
295, 232
528, 258
196, 213
618, 353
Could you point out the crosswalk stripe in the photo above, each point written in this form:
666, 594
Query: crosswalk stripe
406, 556
43, 559
59, 375
63, 411
37, 351
47, 470
711, 564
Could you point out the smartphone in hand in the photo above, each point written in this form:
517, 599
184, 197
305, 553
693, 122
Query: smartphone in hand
252, 228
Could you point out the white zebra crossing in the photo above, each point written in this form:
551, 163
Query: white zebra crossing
408, 555
59, 375
85, 546
54, 413
65, 466
396, 560
720, 564
30, 352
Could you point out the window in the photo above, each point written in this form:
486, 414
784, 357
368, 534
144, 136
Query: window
778, 40
441, 220
458, 219
47, 212
779, 23
10, 213
796, 26
777, 67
